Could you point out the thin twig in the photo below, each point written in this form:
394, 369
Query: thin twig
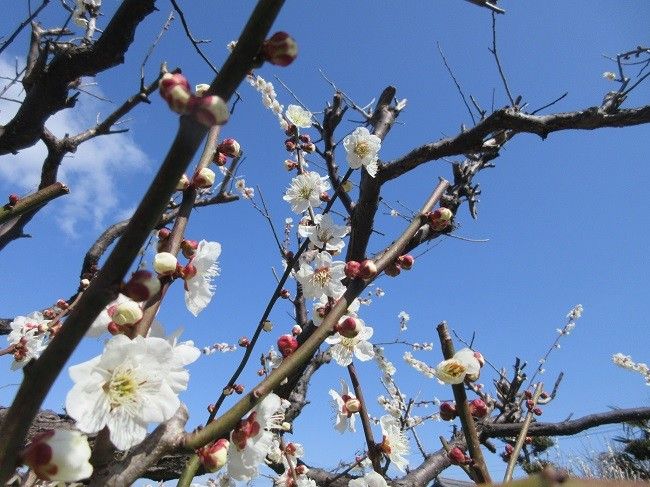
458, 87
496, 58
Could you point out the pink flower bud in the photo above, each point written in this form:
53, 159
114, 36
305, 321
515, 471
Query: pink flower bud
244, 342
142, 285
219, 159
287, 344
189, 271
175, 90
352, 269
290, 165
62, 304
290, 449
296, 330
537, 411
188, 247
164, 263
163, 233
208, 110
290, 145
406, 262
304, 138
13, 199
49, 314
440, 219
238, 388
448, 411
349, 327
114, 328
457, 456
308, 147
260, 372
230, 148
280, 49
367, 269
291, 130
478, 408
183, 183
301, 469
205, 178
285, 294
213, 457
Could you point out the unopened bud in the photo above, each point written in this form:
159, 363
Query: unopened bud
392, 270
349, 327
448, 411
291, 130
286, 426
267, 325
301, 469
304, 138
478, 408
324, 197
285, 294
296, 330
308, 147
290, 145
62, 304
347, 186
142, 286
368, 269
287, 344
280, 49
352, 269
164, 263
175, 90
208, 110
114, 328
260, 372
204, 178
440, 219
49, 314
188, 247
164, 233
244, 342
537, 411
84, 283
59, 455
183, 183
238, 388
457, 456
127, 313
213, 457
352, 405
219, 158
230, 147
406, 261
13, 199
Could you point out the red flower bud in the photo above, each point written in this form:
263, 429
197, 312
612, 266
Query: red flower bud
537, 411
142, 285
188, 247
448, 411
13, 199
324, 197
287, 344
175, 90
238, 388
229, 147
244, 342
220, 158
392, 270
290, 145
352, 269
285, 294
189, 271
280, 49
296, 330
208, 110
478, 408
406, 261
291, 130
440, 219
349, 327
163, 233
304, 138
308, 147
62, 304
457, 456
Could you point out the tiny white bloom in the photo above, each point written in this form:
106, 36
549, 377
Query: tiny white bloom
404, 318
323, 306
343, 348
299, 116
324, 278
344, 417
28, 341
394, 444
305, 191
362, 148
199, 288
324, 234
371, 479
609, 75
133, 383
420, 366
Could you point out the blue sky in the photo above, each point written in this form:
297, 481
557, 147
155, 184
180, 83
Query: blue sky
566, 218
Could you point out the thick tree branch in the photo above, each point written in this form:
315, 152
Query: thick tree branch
471, 141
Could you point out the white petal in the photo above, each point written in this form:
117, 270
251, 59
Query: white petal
342, 355
364, 351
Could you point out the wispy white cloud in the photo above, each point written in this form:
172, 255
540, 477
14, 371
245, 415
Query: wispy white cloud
92, 173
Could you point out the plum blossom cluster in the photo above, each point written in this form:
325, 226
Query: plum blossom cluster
626, 362
464, 365
269, 97
221, 347
28, 338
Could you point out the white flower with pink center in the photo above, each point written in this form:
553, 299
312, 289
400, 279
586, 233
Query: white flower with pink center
252, 438
345, 405
343, 349
199, 288
323, 279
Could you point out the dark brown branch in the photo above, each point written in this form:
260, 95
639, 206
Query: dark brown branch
331, 120
49, 93
569, 427
32, 202
511, 119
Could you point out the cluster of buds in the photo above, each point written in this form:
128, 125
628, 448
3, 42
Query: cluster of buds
214, 456
141, 286
402, 262
507, 452
287, 344
448, 411
306, 144
227, 148
290, 165
207, 110
478, 408
530, 405
280, 49
349, 327
366, 269
440, 219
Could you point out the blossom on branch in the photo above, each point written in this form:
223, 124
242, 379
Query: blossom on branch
325, 234
28, 338
362, 148
198, 287
133, 383
298, 116
343, 348
394, 442
305, 191
323, 279
59, 455
345, 405
371, 479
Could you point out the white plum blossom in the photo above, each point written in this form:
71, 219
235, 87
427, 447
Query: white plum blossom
325, 234
323, 279
394, 443
344, 417
298, 116
28, 336
322, 307
404, 318
305, 191
362, 148
344, 348
626, 362
252, 438
133, 383
371, 479
199, 288
61, 455
418, 365
464, 364
386, 366
269, 97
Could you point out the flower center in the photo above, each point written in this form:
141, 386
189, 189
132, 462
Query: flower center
122, 388
321, 276
362, 149
305, 192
